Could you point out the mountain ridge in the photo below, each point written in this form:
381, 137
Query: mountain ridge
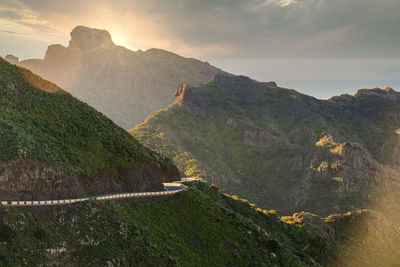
125, 85
257, 139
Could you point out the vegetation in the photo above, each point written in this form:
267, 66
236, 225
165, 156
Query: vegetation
278, 148
39, 120
243, 135
198, 227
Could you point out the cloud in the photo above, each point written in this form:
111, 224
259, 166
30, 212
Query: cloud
9, 32
244, 28
18, 19
281, 3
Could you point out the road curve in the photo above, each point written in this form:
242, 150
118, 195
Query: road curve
169, 189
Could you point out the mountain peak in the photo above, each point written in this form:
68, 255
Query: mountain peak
92, 63
186, 95
88, 38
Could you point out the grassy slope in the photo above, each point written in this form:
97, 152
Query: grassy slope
209, 147
49, 124
205, 144
199, 227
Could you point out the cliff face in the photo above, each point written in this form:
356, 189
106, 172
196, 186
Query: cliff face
55, 146
32, 179
124, 85
279, 148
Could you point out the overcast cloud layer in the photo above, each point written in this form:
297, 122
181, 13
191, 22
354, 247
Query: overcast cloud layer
215, 27
214, 30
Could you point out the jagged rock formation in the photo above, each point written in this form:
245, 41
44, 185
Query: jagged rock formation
279, 148
124, 85
54, 146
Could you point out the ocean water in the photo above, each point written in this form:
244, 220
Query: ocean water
318, 77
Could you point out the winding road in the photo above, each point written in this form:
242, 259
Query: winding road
169, 189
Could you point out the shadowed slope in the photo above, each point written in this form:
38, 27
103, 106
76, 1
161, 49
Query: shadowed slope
51, 143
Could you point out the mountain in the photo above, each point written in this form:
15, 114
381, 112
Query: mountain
279, 148
53, 145
124, 85
197, 227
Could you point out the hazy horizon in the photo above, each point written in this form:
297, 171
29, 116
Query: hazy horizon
319, 47
322, 78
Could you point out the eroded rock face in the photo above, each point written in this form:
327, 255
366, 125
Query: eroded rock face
349, 164
124, 85
28, 179
186, 95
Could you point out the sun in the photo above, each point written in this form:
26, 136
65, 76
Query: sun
118, 37
121, 38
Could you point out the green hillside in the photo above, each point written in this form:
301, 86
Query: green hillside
198, 227
40, 121
279, 148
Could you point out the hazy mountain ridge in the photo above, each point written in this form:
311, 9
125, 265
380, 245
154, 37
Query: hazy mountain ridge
279, 148
53, 145
125, 85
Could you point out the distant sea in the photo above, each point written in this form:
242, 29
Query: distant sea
318, 77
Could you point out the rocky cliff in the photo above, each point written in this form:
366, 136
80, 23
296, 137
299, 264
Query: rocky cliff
279, 148
55, 146
124, 85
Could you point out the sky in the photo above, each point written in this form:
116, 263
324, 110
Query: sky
319, 47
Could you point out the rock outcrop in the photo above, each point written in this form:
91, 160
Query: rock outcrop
87, 38
187, 96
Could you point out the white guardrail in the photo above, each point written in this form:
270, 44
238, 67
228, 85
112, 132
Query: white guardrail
175, 188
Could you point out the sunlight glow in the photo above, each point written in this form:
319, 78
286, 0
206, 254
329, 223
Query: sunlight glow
121, 38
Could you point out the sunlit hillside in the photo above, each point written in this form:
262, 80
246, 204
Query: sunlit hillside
279, 148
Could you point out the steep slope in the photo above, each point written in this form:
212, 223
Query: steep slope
52, 144
176, 232
279, 148
198, 227
125, 85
